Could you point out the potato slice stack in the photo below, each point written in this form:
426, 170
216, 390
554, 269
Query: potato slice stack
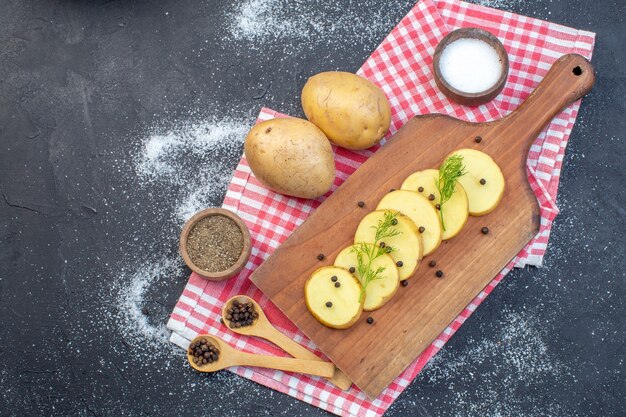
334, 294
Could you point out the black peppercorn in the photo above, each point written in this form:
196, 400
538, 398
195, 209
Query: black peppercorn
422, 229
432, 263
333, 278
484, 230
241, 314
370, 320
404, 283
329, 304
337, 284
203, 352
478, 139
399, 264
420, 189
320, 257
439, 273
394, 221
483, 181
383, 244
352, 269
431, 197
361, 204
438, 206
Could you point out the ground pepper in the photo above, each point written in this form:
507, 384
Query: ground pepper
214, 243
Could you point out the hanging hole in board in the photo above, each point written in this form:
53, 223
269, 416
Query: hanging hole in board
577, 71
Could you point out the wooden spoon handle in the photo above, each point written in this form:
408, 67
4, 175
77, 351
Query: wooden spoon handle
298, 351
569, 78
302, 366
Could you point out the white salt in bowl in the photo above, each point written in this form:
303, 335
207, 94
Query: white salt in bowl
470, 66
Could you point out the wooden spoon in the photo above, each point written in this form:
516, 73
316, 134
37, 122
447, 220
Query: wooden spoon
229, 356
261, 327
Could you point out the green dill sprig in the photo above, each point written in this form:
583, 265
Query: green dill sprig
371, 251
449, 172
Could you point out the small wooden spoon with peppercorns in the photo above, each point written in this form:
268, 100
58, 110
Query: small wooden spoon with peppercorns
260, 326
226, 356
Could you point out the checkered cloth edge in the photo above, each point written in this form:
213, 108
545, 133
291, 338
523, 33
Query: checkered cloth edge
401, 66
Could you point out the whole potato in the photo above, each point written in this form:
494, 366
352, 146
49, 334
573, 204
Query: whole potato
291, 156
352, 111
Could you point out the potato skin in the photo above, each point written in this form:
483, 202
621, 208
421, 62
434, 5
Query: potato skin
291, 156
351, 110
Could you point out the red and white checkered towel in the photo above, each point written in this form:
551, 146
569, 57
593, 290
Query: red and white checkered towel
401, 66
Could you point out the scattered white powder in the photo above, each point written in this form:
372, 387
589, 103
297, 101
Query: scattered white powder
131, 299
264, 21
258, 19
190, 161
470, 65
498, 4
523, 357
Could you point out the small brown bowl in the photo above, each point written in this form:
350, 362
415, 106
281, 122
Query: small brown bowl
241, 261
461, 97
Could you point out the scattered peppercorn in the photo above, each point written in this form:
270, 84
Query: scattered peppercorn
337, 284
404, 282
383, 244
439, 273
485, 230
422, 229
420, 189
438, 206
320, 257
483, 181
394, 221
431, 197
399, 264
432, 263
329, 304
241, 314
203, 352
333, 278
361, 204
352, 269
370, 320
478, 139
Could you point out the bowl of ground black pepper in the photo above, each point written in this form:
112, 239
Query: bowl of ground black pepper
215, 244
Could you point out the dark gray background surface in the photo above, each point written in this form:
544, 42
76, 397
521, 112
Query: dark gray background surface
88, 235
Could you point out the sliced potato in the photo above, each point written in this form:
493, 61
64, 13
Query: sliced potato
483, 198
378, 291
408, 248
420, 211
455, 210
334, 306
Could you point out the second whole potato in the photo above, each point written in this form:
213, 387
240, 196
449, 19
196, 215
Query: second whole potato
291, 156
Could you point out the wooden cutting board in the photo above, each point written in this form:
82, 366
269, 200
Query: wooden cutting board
373, 355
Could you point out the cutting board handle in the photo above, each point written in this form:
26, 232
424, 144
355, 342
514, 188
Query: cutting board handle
569, 79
